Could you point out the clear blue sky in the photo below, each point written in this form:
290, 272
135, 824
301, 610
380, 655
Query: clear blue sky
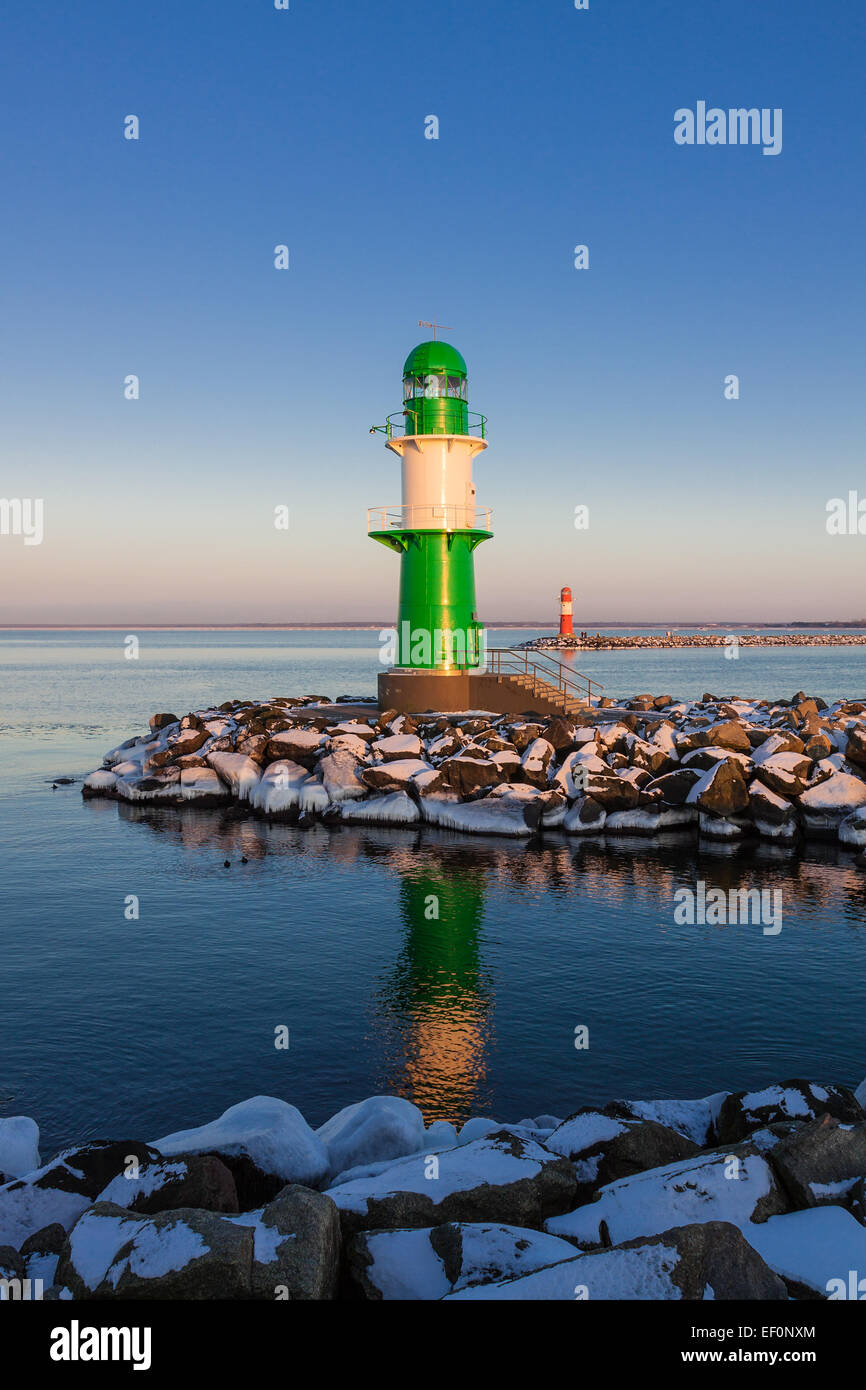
603, 387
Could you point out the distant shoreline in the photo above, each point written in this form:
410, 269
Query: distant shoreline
859, 625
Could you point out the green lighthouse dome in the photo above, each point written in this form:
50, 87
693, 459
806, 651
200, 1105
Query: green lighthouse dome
434, 357
435, 390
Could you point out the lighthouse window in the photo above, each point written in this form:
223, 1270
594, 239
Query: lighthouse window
435, 386
454, 386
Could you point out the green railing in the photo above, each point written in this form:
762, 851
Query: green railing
396, 425
506, 661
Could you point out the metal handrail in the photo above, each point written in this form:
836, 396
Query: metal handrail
505, 661
395, 424
447, 517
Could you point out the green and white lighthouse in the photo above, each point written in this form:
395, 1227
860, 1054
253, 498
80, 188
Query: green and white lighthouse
438, 524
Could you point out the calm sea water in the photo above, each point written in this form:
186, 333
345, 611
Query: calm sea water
132, 1028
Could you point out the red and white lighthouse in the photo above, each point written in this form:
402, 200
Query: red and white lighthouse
566, 627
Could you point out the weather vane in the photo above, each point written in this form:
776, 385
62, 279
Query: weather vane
422, 323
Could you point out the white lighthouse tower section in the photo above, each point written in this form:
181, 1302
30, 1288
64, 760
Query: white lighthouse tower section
438, 491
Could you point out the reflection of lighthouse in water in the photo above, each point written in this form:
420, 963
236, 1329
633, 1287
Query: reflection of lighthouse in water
436, 999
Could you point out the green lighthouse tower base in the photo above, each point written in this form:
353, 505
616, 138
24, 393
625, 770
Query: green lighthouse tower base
438, 525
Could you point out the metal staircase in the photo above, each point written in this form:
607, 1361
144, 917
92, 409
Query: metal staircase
543, 677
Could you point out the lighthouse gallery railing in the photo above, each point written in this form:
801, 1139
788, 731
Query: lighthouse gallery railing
396, 424
445, 517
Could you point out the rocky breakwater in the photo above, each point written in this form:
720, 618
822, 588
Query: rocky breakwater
631, 1200
727, 768
605, 642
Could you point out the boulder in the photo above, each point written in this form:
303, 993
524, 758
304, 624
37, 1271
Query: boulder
785, 773
586, 817
395, 776
340, 776
264, 1142
502, 1177
707, 1260
162, 721
814, 1251
199, 1180
730, 734
395, 747
675, 786
612, 792
239, 773
184, 1254
832, 800
744, 1111
855, 749
296, 1249
298, 745
560, 734
62, 1189
380, 1127
464, 774
721, 791
603, 1148
522, 734
768, 806
695, 1119
432, 1263
822, 1163
535, 762
19, 1146
714, 1186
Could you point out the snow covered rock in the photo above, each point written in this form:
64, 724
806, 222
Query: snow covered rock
708, 1261
339, 773
99, 783
536, 760
394, 808
490, 816
279, 789
296, 1246
239, 773
19, 1146
814, 1251
465, 774
396, 747
432, 1263
709, 1187
202, 784
831, 801
380, 1127
265, 1142
603, 1148
696, 1119
787, 774
62, 1189
199, 1180
852, 830
744, 1111
394, 776
113, 1253
499, 1178
585, 817
296, 745
722, 791
822, 1163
